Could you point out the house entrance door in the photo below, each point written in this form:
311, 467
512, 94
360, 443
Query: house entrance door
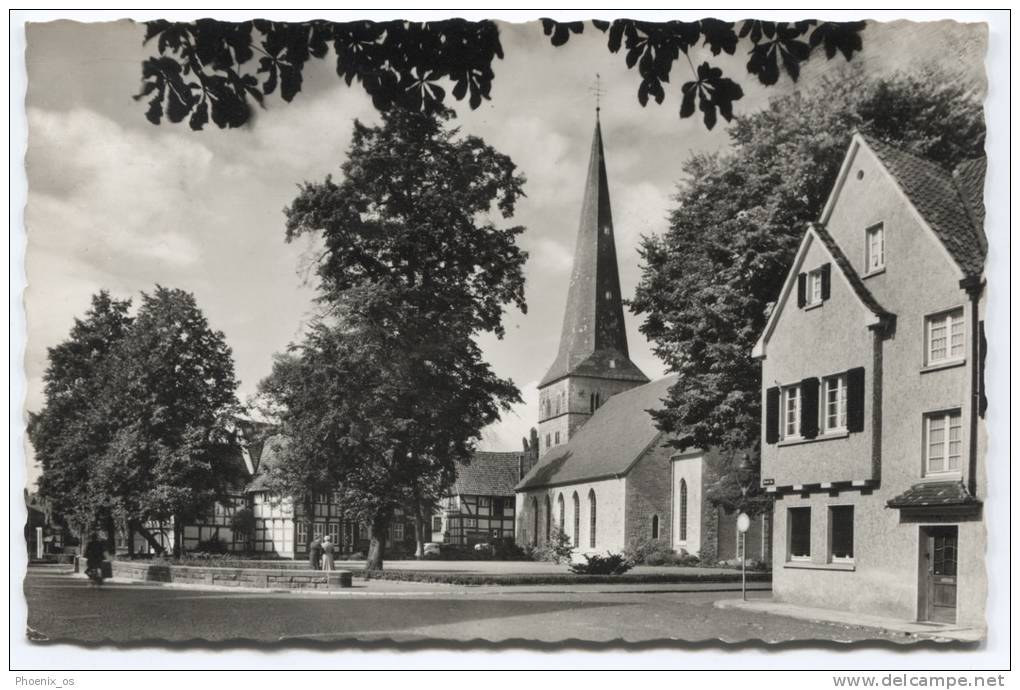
938, 573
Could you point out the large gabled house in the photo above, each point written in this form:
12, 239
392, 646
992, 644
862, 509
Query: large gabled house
282, 526
873, 438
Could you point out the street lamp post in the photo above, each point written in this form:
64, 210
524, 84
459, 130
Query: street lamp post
745, 473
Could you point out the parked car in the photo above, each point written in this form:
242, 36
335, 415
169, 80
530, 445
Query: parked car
431, 550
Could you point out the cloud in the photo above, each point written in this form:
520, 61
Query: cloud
111, 196
546, 254
506, 434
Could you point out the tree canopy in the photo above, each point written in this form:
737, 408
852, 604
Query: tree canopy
388, 391
138, 411
66, 434
708, 281
214, 69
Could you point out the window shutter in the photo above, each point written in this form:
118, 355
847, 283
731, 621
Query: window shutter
855, 399
983, 345
809, 408
801, 289
826, 274
771, 415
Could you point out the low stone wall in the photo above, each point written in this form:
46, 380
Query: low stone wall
232, 577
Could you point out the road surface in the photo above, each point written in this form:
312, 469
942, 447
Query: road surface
65, 607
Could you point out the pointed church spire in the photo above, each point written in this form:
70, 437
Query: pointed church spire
594, 341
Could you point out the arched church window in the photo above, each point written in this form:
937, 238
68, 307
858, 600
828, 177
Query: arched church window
548, 518
683, 510
534, 513
560, 506
655, 527
577, 520
591, 518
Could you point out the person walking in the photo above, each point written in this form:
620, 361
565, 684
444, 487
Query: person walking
328, 550
315, 554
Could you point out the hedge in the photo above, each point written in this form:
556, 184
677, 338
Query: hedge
456, 578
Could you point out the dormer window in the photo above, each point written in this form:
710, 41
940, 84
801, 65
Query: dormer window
874, 260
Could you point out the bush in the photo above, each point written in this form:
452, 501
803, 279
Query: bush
508, 550
556, 550
656, 552
610, 564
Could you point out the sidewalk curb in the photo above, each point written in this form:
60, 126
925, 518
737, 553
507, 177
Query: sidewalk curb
928, 631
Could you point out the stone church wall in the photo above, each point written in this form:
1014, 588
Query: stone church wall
649, 494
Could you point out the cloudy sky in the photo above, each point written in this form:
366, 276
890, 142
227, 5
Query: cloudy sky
117, 203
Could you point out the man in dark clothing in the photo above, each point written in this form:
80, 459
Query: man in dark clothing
95, 554
315, 553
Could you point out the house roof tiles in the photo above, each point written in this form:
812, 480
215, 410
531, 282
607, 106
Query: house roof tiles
933, 494
490, 473
952, 205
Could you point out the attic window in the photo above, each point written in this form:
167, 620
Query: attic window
813, 287
609, 294
605, 230
612, 364
860, 174
874, 259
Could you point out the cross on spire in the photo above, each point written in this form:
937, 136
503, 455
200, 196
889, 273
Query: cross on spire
599, 92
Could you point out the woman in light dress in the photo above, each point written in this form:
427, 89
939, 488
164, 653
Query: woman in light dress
328, 549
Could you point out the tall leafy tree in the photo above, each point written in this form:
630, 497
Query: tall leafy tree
67, 433
390, 390
217, 70
169, 398
709, 280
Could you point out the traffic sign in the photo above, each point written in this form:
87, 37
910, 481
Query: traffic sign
743, 522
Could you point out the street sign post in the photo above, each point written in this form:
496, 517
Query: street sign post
743, 523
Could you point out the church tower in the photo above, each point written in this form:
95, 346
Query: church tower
593, 362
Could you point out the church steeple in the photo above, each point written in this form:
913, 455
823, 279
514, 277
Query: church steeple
593, 361
594, 341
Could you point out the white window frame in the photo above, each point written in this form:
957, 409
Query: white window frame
836, 406
833, 558
870, 264
813, 289
796, 400
947, 320
946, 418
398, 532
